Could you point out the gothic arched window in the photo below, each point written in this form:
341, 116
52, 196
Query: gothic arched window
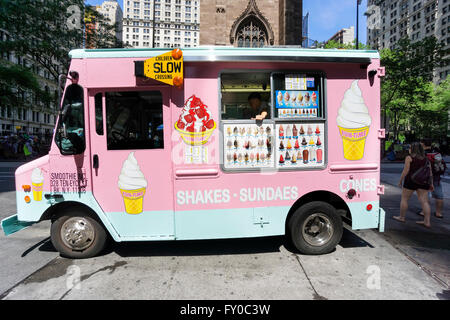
251, 33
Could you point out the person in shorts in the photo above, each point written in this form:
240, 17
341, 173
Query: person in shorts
438, 168
413, 162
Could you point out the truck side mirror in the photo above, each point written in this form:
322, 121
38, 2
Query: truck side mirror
61, 77
64, 131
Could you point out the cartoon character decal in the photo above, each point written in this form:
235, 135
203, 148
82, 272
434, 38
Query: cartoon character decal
353, 122
132, 185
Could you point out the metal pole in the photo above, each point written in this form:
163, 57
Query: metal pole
83, 21
153, 32
357, 24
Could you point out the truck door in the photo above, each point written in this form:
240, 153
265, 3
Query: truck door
131, 160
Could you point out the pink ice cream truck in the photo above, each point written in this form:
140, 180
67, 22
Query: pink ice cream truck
208, 143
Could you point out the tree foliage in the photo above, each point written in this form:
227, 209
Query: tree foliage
431, 118
409, 72
333, 44
99, 32
16, 79
45, 31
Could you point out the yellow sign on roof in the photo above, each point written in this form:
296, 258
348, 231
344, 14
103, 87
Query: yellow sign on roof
167, 68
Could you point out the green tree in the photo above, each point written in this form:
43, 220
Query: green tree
99, 32
333, 44
409, 71
431, 118
47, 30
15, 80
44, 31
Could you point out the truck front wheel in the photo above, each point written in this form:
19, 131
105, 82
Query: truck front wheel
75, 234
315, 228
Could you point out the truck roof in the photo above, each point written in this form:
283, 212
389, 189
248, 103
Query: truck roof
234, 54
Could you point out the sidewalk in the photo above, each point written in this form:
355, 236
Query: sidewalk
428, 248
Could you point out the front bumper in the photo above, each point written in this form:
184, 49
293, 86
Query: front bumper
12, 224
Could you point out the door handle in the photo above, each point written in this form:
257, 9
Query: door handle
49, 196
95, 161
189, 173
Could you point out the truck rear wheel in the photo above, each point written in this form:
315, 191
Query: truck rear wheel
75, 234
315, 228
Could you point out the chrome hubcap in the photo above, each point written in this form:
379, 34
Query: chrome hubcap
317, 229
77, 233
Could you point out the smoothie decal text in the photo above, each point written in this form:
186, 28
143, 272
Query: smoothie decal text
68, 182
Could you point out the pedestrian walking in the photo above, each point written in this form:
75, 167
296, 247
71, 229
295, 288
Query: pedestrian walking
416, 176
20, 148
438, 168
27, 149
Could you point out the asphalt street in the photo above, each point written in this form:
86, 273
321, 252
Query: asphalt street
405, 262
7, 175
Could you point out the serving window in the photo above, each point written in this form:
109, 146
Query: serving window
237, 88
292, 133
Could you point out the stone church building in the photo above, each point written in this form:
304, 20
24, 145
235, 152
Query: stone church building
250, 23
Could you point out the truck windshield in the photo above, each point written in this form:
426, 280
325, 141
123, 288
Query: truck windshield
70, 136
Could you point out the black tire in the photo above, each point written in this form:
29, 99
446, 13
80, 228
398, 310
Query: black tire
95, 246
307, 212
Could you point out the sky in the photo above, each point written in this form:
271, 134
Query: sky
326, 17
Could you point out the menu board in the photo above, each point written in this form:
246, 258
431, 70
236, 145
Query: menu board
248, 146
298, 82
299, 145
295, 82
195, 154
297, 104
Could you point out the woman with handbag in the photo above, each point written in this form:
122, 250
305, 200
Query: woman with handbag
416, 176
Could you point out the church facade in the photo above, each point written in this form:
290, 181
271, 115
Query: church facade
250, 23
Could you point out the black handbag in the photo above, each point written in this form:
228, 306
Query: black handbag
423, 175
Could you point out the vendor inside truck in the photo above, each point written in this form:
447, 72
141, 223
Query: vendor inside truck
258, 109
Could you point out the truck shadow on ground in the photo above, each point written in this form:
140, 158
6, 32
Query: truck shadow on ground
204, 247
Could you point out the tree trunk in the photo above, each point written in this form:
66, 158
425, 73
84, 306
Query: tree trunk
395, 127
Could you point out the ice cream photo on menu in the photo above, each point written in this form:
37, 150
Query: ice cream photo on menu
280, 98
195, 124
287, 97
37, 180
353, 121
132, 185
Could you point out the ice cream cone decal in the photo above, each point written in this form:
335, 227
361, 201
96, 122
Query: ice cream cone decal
195, 124
353, 122
132, 185
37, 181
